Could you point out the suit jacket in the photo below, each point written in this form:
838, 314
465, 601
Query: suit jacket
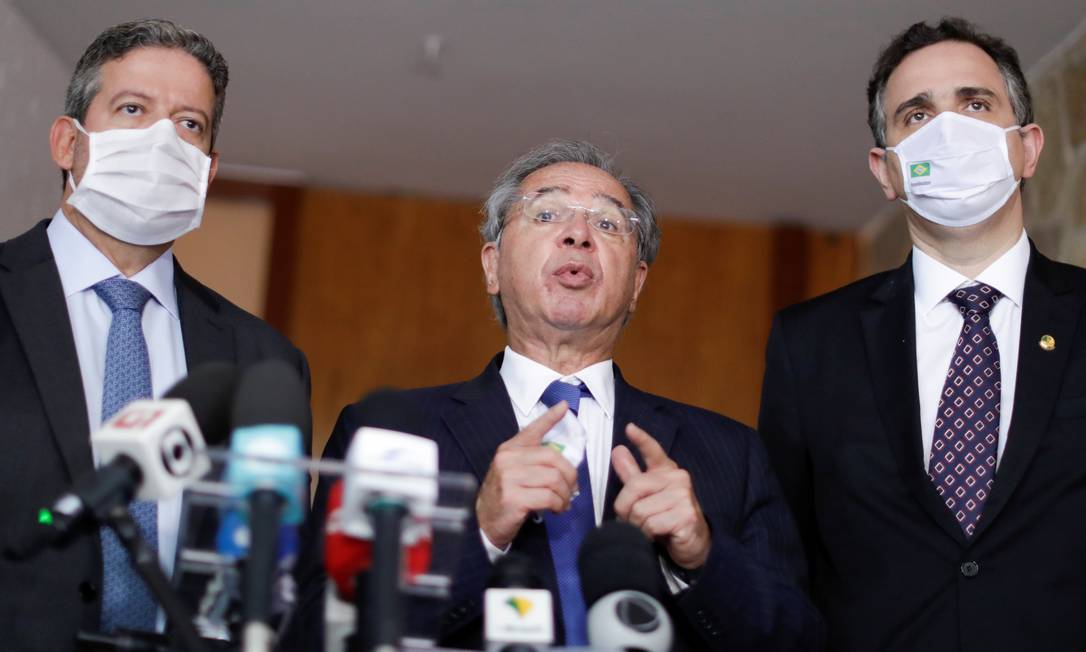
749, 594
45, 434
890, 567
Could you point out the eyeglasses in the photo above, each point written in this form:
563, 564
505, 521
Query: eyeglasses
555, 208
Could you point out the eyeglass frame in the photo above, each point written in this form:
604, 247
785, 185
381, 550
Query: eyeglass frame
631, 216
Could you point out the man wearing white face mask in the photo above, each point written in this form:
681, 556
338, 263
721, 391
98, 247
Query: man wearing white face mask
926, 422
95, 312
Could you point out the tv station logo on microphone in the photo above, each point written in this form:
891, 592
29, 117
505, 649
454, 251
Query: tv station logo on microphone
519, 616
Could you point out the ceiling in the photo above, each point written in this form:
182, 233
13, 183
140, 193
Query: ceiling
750, 111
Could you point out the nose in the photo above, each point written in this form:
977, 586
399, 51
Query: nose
577, 233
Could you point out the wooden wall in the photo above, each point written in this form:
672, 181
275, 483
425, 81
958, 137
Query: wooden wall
387, 290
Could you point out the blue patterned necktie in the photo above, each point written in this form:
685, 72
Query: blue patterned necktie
966, 438
126, 601
567, 530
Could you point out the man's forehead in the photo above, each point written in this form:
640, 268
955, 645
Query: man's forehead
576, 179
160, 65
942, 68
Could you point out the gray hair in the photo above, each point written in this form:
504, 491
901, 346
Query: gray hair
507, 192
118, 40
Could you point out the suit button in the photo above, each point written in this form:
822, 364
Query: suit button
88, 591
970, 569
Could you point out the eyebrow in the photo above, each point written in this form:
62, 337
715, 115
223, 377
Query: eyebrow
917, 101
147, 98
921, 100
598, 195
966, 92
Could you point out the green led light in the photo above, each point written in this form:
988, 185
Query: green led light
45, 517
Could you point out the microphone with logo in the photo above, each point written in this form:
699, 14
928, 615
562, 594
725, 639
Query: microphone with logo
385, 503
621, 585
518, 615
266, 452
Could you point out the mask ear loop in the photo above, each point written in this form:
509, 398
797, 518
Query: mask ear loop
71, 176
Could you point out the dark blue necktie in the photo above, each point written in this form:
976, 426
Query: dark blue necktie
126, 601
966, 438
567, 530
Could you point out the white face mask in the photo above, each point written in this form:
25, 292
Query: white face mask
142, 186
956, 169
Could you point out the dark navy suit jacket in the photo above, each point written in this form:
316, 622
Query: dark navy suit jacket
748, 596
890, 567
45, 436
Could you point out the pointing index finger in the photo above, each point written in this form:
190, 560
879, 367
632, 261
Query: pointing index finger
533, 433
650, 449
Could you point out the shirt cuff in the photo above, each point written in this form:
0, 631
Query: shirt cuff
493, 552
674, 583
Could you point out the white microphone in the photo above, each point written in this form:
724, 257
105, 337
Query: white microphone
518, 615
148, 450
621, 585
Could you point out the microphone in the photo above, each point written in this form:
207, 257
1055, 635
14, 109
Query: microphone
269, 414
386, 501
150, 450
621, 586
518, 615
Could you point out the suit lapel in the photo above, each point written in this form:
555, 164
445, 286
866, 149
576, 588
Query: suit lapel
207, 337
889, 327
634, 406
1048, 308
35, 298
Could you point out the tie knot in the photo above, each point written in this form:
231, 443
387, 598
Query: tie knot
122, 294
977, 299
563, 391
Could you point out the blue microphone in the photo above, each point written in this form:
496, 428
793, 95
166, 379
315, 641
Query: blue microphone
270, 410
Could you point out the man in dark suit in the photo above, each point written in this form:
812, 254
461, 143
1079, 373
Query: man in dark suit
568, 247
926, 422
136, 151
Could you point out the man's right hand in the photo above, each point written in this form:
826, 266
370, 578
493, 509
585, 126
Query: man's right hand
524, 477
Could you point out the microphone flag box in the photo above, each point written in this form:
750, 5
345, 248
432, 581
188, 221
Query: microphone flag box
163, 438
519, 616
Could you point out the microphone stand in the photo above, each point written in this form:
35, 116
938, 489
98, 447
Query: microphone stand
145, 561
377, 595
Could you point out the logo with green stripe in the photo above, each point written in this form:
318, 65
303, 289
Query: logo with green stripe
921, 169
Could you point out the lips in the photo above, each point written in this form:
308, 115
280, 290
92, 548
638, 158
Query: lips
574, 275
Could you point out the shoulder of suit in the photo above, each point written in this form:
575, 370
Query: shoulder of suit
684, 413
229, 312
844, 300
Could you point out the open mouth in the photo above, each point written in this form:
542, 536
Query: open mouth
574, 275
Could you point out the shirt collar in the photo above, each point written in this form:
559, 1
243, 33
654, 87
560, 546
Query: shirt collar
934, 281
81, 265
525, 379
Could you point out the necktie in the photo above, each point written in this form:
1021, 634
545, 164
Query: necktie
126, 601
964, 445
567, 530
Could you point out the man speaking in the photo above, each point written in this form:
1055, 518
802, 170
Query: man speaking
568, 244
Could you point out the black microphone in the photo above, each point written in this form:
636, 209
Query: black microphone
620, 579
518, 613
150, 449
270, 411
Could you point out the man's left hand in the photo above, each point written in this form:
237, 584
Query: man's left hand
660, 500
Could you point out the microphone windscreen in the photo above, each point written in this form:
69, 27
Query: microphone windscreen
391, 409
617, 557
209, 391
514, 570
270, 392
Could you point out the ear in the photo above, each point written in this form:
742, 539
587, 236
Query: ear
214, 167
640, 275
878, 159
490, 256
1033, 141
62, 139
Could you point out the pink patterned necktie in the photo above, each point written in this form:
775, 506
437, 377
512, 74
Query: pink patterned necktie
966, 438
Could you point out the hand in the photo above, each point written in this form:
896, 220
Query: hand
661, 500
524, 477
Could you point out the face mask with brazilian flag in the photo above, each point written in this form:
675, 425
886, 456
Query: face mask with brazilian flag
956, 169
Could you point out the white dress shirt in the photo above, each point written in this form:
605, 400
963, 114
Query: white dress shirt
938, 325
81, 266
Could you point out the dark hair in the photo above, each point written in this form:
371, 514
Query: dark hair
118, 40
921, 35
